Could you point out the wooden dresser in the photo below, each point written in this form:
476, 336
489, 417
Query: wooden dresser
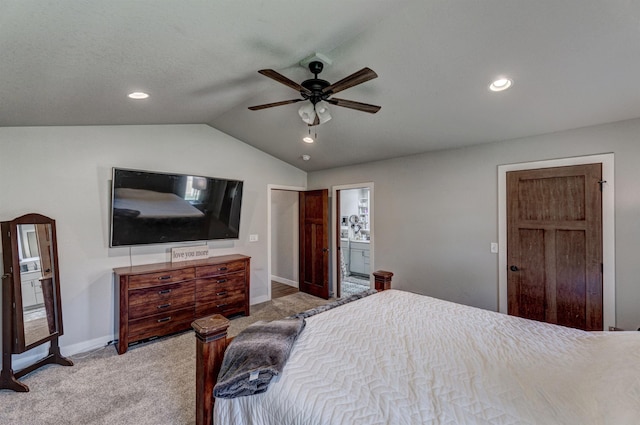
153, 300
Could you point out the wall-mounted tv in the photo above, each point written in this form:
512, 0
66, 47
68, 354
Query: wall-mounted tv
152, 207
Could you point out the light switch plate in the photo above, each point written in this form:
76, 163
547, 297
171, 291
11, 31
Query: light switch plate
253, 238
494, 247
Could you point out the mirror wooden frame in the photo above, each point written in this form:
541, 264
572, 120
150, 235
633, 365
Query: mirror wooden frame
14, 340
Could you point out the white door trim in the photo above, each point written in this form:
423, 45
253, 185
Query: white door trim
335, 216
608, 227
271, 187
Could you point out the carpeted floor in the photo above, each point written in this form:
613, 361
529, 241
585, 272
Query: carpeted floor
153, 383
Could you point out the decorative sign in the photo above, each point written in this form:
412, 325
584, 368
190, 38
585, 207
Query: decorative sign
189, 253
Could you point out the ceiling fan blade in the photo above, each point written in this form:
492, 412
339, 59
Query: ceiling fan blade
274, 75
271, 105
364, 107
365, 74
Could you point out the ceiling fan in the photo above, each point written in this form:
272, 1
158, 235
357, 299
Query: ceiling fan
319, 92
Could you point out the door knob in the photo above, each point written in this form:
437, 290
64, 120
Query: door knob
514, 268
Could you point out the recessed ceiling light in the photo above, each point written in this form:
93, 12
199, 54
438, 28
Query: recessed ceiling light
307, 139
501, 84
138, 95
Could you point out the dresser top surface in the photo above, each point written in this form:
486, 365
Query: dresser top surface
158, 267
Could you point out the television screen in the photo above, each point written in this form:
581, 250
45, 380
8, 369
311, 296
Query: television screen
151, 208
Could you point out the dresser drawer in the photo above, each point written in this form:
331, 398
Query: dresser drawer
224, 295
159, 299
227, 307
161, 324
169, 276
226, 282
220, 296
219, 269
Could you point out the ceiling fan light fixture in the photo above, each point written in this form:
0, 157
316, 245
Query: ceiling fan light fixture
322, 109
307, 113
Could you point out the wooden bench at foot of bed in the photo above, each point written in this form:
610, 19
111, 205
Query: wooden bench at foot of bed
211, 343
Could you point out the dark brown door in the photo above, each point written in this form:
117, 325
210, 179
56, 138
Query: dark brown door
554, 245
314, 242
44, 248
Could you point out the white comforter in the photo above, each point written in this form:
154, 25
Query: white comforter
399, 358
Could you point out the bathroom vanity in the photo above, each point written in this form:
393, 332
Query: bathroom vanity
359, 258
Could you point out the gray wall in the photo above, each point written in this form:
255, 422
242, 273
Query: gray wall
437, 213
284, 236
349, 202
65, 172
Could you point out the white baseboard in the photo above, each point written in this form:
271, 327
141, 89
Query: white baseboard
84, 346
258, 300
29, 358
285, 281
20, 361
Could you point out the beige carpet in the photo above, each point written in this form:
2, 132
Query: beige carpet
153, 383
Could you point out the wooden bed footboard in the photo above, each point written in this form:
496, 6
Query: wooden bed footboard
211, 343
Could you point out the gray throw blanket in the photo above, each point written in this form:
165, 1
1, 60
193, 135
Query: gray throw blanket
255, 356
334, 304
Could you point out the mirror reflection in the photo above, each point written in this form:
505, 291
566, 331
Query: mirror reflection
37, 281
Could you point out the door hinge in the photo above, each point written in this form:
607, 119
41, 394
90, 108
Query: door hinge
601, 183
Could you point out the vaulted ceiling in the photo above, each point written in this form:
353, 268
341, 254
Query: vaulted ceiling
574, 63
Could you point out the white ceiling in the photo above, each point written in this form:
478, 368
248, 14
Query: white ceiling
575, 63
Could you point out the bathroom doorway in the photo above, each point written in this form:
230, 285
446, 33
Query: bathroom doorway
353, 238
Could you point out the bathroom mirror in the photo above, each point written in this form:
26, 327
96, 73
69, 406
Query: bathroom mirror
31, 306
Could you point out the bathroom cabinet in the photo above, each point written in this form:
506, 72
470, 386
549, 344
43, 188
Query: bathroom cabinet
359, 258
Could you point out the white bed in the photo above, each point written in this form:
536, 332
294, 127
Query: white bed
400, 358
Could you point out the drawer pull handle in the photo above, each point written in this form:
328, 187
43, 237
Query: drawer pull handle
221, 269
164, 305
164, 319
221, 281
165, 277
221, 293
164, 292
221, 305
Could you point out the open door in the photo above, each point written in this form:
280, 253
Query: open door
314, 242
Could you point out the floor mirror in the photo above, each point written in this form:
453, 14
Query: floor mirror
31, 305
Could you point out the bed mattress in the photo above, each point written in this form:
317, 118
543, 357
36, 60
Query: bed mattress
400, 358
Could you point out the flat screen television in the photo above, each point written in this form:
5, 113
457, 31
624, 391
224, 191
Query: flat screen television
152, 208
